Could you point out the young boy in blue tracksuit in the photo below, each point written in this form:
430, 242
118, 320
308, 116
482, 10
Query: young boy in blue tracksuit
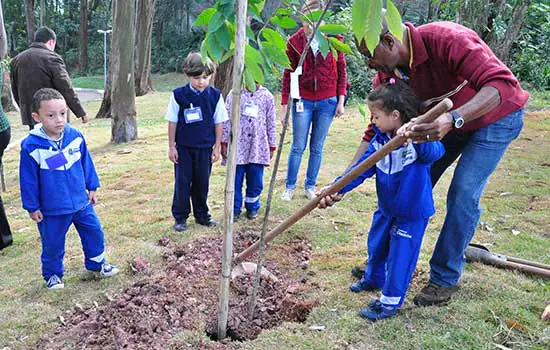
58, 188
405, 201
196, 113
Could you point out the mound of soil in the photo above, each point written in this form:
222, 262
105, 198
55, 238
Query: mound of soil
184, 296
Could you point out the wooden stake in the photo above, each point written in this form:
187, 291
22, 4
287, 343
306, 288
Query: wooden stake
227, 249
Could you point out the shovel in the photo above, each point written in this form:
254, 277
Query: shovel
479, 253
393, 144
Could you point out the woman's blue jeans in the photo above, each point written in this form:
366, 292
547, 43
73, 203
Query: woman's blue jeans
318, 115
480, 157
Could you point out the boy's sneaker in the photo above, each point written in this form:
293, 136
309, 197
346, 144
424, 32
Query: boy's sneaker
362, 286
287, 195
251, 214
55, 282
208, 222
377, 311
180, 227
310, 193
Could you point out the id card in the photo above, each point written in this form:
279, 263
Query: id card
56, 161
251, 110
192, 115
299, 106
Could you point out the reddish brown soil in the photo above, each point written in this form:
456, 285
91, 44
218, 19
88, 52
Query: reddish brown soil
184, 296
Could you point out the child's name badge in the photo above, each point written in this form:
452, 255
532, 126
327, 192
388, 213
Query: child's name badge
251, 110
299, 106
56, 161
192, 115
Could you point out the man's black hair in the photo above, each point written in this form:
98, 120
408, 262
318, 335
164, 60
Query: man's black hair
44, 34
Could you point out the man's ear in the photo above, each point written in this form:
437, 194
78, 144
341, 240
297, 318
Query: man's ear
388, 40
36, 117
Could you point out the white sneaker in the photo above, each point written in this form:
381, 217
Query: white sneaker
54, 282
287, 194
108, 270
310, 193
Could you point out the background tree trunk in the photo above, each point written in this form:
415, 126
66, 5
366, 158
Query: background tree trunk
223, 78
123, 101
143, 41
29, 15
42, 13
501, 46
7, 97
83, 43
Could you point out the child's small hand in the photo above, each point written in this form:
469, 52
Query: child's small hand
173, 155
84, 119
36, 216
216, 154
92, 197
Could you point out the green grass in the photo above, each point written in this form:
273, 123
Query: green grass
161, 82
134, 209
539, 99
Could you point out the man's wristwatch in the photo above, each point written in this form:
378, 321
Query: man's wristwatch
458, 121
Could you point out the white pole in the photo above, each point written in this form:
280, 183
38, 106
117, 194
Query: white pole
104, 32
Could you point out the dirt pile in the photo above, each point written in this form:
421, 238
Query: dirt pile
184, 296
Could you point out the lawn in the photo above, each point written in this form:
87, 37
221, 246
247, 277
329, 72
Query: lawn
161, 82
493, 308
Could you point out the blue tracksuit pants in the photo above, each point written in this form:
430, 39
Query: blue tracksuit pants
192, 182
53, 230
393, 246
254, 174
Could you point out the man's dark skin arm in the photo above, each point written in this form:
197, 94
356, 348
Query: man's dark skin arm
482, 103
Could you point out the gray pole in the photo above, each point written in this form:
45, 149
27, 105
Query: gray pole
104, 59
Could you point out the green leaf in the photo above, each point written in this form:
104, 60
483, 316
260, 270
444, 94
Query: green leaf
275, 37
223, 2
323, 44
340, 46
250, 34
393, 18
204, 17
374, 24
224, 37
252, 58
215, 22
274, 55
254, 12
249, 80
333, 29
283, 12
315, 15
214, 48
284, 22
204, 50
359, 18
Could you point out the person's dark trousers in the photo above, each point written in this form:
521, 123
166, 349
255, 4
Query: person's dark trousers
5, 231
192, 182
254, 174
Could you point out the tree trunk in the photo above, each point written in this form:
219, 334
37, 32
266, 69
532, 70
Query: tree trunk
123, 101
42, 13
143, 40
223, 77
83, 43
501, 46
29, 15
7, 97
227, 247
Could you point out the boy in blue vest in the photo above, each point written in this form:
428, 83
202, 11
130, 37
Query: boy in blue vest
196, 113
58, 188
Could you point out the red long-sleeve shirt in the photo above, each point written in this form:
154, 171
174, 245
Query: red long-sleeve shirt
321, 77
444, 55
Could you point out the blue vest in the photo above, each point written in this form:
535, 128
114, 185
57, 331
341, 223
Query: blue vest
200, 134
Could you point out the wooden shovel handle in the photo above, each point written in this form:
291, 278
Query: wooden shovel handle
394, 143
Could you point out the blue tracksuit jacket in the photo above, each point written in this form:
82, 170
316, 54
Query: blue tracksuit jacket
59, 191
403, 183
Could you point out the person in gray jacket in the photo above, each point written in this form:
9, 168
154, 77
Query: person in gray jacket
40, 67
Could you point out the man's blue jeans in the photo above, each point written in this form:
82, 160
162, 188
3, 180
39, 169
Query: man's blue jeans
318, 115
480, 156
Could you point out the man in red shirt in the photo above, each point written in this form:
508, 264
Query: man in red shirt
439, 60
